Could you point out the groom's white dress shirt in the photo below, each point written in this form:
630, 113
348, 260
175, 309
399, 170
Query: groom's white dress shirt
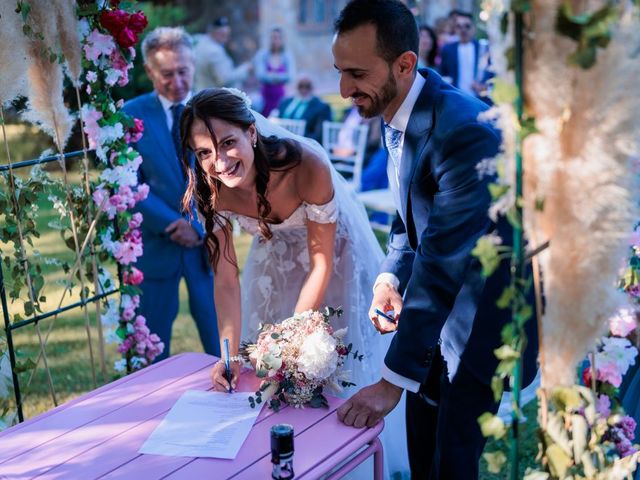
399, 122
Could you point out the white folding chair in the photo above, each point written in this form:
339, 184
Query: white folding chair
294, 126
345, 146
379, 201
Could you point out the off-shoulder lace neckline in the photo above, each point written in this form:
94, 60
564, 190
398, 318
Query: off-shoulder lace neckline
228, 213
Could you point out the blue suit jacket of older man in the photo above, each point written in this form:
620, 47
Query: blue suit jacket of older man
447, 301
161, 170
164, 262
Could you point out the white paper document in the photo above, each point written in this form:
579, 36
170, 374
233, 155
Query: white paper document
204, 424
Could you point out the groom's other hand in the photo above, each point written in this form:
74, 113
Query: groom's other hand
367, 407
385, 297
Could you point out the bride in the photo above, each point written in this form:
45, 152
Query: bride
312, 245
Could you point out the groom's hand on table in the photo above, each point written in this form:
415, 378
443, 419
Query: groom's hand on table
385, 299
218, 379
367, 407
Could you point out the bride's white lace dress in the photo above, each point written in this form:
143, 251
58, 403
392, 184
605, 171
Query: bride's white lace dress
275, 271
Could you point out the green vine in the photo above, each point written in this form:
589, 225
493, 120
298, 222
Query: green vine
572, 443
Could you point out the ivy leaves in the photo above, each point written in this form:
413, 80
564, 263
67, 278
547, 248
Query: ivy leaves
591, 30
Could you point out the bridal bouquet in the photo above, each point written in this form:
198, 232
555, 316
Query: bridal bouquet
297, 358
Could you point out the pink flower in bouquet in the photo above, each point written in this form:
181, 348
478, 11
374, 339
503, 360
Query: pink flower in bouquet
141, 193
133, 276
623, 323
90, 116
608, 372
120, 64
140, 321
98, 44
134, 134
136, 219
128, 313
297, 358
128, 250
102, 200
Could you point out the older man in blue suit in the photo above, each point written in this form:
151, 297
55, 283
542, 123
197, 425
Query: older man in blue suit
173, 245
448, 324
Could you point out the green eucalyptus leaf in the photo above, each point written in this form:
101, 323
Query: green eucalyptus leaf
496, 190
495, 461
505, 367
584, 57
497, 386
504, 92
492, 426
566, 398
24, 366
486, 251
506, 297
506, 352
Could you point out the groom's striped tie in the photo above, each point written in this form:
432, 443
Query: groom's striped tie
392, 139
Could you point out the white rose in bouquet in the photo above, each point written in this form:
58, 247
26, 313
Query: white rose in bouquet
318, 357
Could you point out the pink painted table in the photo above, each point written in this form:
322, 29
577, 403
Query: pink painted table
98, 435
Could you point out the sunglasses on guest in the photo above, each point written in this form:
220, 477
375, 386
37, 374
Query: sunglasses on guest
464, 26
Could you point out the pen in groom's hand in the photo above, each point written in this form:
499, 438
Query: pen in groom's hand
227, 363
385, 316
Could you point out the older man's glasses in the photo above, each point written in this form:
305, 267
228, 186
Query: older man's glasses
304, 86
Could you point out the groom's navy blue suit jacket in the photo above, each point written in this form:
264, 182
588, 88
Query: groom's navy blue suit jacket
447, 301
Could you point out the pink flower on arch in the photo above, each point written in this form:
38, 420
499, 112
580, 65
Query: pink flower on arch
97, 45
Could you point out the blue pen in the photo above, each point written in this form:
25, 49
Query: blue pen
385, 316
227, 363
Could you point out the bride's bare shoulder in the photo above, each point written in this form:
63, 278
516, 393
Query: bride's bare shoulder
313, 178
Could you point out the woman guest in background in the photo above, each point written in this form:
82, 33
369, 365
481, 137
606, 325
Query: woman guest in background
312, 246
274, 68
428, 48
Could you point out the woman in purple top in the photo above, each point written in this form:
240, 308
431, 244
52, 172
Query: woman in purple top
274, 68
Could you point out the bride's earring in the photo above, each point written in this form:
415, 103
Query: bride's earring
255, 143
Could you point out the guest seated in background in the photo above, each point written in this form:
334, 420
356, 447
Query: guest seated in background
374, 173
274, 67
304, 105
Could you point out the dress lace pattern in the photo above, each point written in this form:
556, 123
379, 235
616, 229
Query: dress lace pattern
273, 276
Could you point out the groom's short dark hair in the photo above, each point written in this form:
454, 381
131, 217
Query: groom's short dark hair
396, 28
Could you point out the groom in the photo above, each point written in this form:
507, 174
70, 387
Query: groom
449, 324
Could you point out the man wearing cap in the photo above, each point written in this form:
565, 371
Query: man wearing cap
173, 244
214, 66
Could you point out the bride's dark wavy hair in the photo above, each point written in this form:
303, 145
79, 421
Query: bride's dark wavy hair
271, 153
